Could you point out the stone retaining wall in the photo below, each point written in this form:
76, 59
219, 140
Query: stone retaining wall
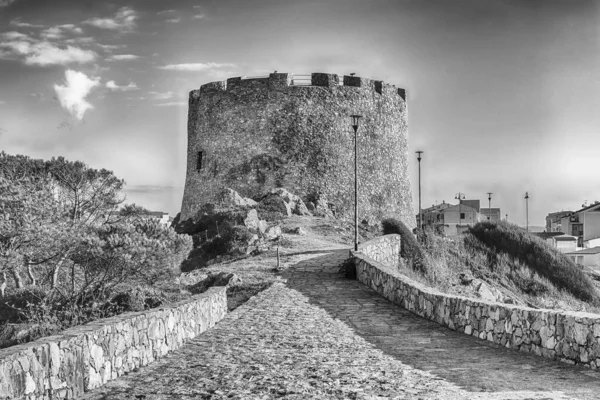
571, 337
384, 249
85, 357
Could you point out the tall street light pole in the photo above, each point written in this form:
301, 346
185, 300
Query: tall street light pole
460, 196
490, 206
419, 152
527, 210
355, 119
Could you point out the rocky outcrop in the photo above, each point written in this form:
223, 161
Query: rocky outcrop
229, 197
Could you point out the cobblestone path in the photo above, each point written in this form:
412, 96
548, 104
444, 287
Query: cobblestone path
324, 337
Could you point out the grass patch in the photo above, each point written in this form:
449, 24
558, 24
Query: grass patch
546, 261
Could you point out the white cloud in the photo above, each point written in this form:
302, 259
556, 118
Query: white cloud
17, 22
45, 53
124, 20
195, 66
59, 31
72, 94
165, 12
199, 16
5, 3
161, 96
174, 20
125, 88
111, 47
123, 57
16, 45
80, 40
14, 35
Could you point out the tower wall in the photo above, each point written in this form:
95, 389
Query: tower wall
294, 131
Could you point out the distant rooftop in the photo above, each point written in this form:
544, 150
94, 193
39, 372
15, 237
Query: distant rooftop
592, 250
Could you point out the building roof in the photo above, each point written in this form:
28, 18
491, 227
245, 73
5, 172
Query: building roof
565, 238
592, 250
557, 213
588, 208
491, 210
471, 203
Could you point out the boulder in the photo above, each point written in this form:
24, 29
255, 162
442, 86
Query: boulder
215, 279
262, 225
251, 221
310, 206
273, 233
298, 231
229, 197
487, 292
294, 202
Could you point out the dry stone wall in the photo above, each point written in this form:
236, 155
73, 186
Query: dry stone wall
571, 337
85, 357
253, 135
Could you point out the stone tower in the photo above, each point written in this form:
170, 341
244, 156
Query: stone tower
285, 130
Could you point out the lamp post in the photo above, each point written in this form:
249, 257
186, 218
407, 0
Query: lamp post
490, 206
460, 196
355, 119
419, 152
527, 210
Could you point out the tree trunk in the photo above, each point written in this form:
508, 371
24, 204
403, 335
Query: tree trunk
17, 278
31, 276
57, 269
3, 285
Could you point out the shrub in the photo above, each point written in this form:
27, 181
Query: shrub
348, 268
410, 249
14, 304
538, 255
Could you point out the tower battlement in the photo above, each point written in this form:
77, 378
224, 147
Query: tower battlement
316, 79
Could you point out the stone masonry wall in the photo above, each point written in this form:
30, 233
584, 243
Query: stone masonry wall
571, 337
384, 249
85, 357
261, 133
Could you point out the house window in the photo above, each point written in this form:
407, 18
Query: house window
462, 215
199, 161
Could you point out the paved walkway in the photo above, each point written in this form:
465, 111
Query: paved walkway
323, 336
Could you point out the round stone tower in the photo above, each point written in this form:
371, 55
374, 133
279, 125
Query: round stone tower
285, 130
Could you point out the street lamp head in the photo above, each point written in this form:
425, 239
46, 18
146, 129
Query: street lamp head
355, 119
419, 152
526, 195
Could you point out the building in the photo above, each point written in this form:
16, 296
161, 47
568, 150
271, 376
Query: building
494, 214
553, 221
451, 219
584, 224
292, 131
560, 241
587, 257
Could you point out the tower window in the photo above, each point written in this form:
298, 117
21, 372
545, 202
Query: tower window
199, 163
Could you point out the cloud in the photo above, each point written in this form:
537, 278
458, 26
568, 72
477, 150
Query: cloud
123, 57
59, 31
72, 94
17, 22
111, 47
124, 20
161, 96
2, 102
5, 3
13, 35
46, 53
172, 103
113, 86
199, 16
195, 66
165, 12
174, 20
16, 45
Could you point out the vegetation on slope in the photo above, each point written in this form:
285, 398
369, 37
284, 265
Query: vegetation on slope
517, 267
82, 259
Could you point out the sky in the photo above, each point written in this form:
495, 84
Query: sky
503, 95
